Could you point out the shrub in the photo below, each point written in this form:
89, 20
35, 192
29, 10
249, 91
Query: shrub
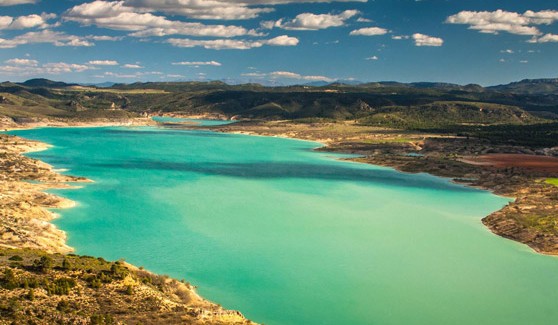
44, 264
66, 265
9, 281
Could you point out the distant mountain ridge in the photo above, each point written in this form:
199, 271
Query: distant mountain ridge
419, 105
547, 86
45, 83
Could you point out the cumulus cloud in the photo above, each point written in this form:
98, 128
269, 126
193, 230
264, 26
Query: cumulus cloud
33, 69
62, 67
363, 20
24, 22
216, 9
494, 22
4, 3
370, 31
132, 66
310, 21
425, 40
104, 38
548, 38
103, 62
198, 63
45, 36
22, 62
287, 75
282, 40
117, 15
136, 75
209, 9
230, 44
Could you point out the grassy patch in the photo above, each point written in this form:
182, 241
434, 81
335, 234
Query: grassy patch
384, 141
544, 224
552, 181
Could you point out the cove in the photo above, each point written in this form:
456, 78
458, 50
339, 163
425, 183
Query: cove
287, 235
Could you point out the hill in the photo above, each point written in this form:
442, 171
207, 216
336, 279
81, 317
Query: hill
45, 83
530, 87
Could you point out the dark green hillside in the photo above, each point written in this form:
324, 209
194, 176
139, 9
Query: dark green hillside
418, 106
448, 114
530, 87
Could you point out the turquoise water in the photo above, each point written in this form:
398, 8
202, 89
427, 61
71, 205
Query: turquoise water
291, 236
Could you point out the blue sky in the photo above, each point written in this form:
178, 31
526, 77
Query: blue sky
279, 41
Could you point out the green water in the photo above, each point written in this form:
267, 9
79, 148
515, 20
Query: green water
291, 236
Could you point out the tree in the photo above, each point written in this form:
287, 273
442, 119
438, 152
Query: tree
44, 264
66, 265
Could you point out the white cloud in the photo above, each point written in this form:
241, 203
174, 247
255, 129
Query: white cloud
23, 62
45, 36
544, 17
400, 37
282, 40
137, 75
493, 22
372, 58
121, 75
116, 15
425, 40
5, 21
228, 44
508, 51
105, 38
198, 63
15, 2
33, 69
132, 66
288, 75
369, 31
208, 9
62, 67
103, 62
24, 22
310, 21
524, 61
254, 74
544, 39
216, 9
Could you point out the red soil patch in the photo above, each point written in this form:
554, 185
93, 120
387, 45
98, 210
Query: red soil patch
531, 162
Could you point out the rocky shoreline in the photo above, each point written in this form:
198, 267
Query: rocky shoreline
27, 237
26, 230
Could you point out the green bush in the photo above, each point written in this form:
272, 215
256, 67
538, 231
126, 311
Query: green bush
44, 264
